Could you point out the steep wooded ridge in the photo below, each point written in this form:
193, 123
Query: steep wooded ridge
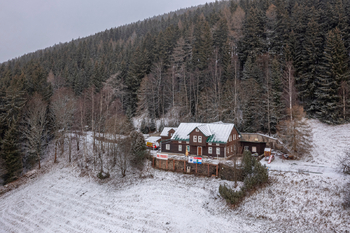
248, 62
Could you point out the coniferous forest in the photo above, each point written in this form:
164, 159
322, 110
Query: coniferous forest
251, 62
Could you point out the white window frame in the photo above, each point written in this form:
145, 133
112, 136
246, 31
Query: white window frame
180, 147
210, 143
179, 142
231, 149
230, 139
167, 146
194, 138
254, 149
217, 150
197, 130
217, 144
210, 150
227, 150
187, 142
199, 139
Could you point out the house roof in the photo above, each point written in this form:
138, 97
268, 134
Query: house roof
153, 139
216, 132
165, 131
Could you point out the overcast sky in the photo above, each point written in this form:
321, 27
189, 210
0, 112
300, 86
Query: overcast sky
29, 25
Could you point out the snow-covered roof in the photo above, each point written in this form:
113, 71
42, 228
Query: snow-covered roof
216, 132
153, 139
165, 131
205, 130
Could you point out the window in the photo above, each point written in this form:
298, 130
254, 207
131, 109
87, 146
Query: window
210, 150
194, 138
187, 142
227, 150
234, 147
210, 143
197, 130
231, 149
253, 149
171, 134
217, 150
200, 139
230, 139
234, 137
180, 147
217, 144
179, 142
246, 147
167, 146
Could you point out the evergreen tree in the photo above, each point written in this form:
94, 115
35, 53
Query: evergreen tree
11, 154
254, 41
334, 71
308, 61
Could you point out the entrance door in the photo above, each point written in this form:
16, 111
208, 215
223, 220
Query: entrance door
199, 150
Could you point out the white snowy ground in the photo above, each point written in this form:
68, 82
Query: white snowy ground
64, 201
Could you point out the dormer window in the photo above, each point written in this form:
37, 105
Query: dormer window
171, 134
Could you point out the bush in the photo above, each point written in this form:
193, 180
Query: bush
255, 175
344, 163
103, 175
230, 195
346, 203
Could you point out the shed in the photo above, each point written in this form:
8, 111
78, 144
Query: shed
153, 142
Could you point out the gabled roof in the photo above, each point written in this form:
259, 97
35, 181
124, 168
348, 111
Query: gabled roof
165, 131
216, 132
204, 129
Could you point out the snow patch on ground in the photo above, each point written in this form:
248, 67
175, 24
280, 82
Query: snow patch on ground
329, 142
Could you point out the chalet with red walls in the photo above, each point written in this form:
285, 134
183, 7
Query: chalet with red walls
217, 140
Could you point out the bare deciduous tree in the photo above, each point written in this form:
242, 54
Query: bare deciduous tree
296, 133
62, 112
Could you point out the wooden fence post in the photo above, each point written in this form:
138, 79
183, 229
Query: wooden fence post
184, 166
153, 162
173, 164
208, 170
166, 165
217, 170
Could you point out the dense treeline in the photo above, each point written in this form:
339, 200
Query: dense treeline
249, 62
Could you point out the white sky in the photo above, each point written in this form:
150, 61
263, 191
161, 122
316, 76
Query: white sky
29, 25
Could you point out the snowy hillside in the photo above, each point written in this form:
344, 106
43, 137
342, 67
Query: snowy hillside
329, 141
65, 200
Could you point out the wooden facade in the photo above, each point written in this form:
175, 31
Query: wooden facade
198, 145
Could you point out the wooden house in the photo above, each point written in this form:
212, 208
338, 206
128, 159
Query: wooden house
167, 133
217, 140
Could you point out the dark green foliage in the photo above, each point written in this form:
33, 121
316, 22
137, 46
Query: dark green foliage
139, 151
202, 62
334, 72
11, 154
255, 175
233, 197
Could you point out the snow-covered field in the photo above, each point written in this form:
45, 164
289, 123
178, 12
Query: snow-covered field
64, 200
